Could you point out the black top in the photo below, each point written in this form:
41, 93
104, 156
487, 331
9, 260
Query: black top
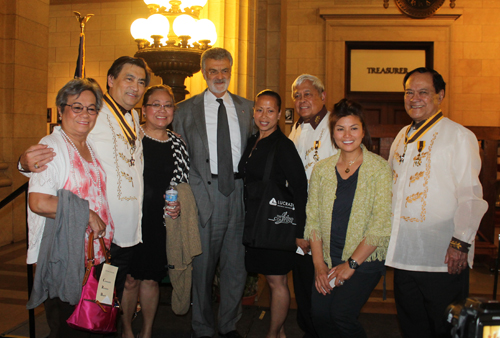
163, 162
341, 212
287, 167
346, 189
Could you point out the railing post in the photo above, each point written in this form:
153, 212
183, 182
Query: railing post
31, 312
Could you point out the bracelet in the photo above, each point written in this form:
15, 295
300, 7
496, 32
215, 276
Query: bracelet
459, 245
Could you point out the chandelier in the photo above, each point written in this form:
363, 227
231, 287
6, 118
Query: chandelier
172, 40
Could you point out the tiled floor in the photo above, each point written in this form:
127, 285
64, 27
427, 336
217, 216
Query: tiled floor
13, 288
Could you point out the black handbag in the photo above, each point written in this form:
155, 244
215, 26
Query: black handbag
270, 213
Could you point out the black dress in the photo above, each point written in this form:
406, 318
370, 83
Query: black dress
160, 167
287, 167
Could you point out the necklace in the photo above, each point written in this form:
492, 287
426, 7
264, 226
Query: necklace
87, 170
350, 163
152, 138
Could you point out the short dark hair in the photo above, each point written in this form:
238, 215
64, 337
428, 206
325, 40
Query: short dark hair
345, 108
153, 89
272, 93
118, 64
76, 87
215, 53
437, 79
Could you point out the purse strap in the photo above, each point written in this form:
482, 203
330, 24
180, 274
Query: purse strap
90, 255
269, 161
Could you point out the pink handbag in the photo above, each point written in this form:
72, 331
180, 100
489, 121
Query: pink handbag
90, 314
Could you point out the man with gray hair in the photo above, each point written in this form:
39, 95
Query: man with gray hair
216, 126
312, 140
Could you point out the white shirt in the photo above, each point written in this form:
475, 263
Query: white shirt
124, 185
306, 138
436, 199
211, 113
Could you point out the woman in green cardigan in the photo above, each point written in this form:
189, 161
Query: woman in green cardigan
348, 224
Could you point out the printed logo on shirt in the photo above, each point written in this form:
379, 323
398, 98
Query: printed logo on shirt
282, 219
281, 204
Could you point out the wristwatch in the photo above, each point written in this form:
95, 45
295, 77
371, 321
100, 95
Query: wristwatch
352, 263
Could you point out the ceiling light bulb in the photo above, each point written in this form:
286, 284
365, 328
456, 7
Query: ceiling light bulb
205, 30
200, 3
139, 29
158, 25
184, 24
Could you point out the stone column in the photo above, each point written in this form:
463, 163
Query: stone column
24, 36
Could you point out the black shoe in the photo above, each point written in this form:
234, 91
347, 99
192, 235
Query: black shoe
230, 334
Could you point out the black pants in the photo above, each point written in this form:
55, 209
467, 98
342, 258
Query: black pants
422, 299
303, 281
336, 314
57, 312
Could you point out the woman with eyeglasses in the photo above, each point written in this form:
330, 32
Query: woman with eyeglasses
165, 160
67, 201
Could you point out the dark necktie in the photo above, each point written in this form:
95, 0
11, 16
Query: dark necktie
224, 153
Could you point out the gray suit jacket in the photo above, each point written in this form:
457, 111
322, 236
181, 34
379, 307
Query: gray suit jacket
190, 122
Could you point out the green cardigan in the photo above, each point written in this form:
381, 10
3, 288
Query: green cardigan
371, 209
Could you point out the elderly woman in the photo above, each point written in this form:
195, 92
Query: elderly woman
73, 192
165, 160
287, 170
348, 224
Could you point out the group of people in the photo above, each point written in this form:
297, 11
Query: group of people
355, 211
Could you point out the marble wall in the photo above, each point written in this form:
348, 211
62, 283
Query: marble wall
468, 53
24, 38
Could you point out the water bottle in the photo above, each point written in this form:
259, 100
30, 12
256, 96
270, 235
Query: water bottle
170, 196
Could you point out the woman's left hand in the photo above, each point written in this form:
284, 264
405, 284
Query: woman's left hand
342, 273
176, 211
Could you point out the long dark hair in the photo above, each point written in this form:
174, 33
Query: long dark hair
345, 108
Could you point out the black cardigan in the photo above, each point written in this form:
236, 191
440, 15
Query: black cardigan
287, 167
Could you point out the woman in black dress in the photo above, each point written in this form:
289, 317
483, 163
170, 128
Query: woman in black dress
287, 171
165, 160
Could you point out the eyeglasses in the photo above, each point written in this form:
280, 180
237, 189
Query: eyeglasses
77, 108
157, 106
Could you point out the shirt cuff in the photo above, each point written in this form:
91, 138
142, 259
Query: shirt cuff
20, 168
459, 245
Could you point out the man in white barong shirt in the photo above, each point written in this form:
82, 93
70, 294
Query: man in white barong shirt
437, 206
311, 137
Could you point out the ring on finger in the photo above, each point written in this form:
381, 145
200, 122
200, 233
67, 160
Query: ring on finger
341, 282
36, 165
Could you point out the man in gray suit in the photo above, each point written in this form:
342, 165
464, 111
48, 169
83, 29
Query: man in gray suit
216, 126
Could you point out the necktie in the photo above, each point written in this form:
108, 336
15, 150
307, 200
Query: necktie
224, 153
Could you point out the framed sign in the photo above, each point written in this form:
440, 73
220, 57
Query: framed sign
381, 66
289, 115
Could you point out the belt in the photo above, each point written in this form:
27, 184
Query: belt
237, 176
